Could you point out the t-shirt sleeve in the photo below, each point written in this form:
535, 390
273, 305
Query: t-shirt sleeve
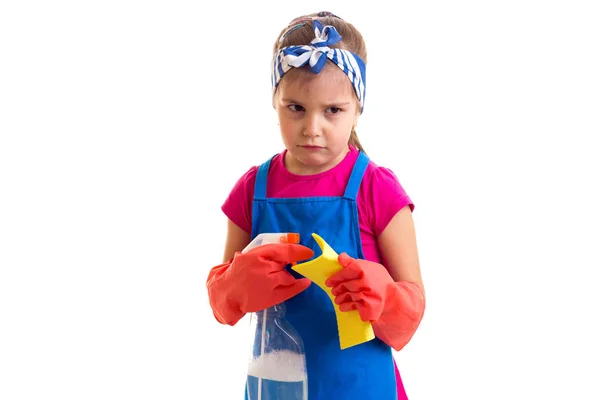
238, 205
387, 197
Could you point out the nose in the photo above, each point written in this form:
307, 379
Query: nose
312, 125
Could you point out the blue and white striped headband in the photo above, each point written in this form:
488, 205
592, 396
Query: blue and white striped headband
316, 55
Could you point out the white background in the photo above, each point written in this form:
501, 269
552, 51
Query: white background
124, 124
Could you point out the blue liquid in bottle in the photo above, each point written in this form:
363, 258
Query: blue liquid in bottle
277, 370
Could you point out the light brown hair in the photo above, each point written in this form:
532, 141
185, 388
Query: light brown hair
352, 40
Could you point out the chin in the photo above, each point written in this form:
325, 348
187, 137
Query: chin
312, 159
317, 164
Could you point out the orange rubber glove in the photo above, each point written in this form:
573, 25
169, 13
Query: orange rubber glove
255, 280
395, 309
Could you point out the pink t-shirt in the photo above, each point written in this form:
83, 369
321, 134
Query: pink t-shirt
379, 198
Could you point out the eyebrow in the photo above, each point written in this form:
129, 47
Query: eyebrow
333, 103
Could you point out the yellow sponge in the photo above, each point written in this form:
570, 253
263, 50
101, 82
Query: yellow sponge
352, 330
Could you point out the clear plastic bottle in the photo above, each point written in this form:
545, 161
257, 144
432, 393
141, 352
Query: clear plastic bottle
277, 368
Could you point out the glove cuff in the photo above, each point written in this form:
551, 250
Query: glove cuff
402, 314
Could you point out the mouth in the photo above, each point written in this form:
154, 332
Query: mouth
311, 147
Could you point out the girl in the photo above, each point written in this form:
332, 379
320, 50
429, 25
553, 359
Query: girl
324, 182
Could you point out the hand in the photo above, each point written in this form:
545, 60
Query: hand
395, 309
262, 273
255, 280
361, 285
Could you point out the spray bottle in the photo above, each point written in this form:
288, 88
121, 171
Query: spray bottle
277, 368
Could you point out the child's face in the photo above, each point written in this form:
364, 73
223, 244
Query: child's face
316, 115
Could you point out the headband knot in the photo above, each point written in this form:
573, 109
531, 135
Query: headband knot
316, 53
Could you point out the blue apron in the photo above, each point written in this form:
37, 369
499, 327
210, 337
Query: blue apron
361, 372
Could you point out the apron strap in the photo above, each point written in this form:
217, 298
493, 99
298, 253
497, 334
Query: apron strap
260, 185
356, 177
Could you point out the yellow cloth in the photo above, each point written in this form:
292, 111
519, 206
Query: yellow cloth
352, 330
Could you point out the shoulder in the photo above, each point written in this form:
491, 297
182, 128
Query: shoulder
380, 178
238, 204
247, 180
381, 196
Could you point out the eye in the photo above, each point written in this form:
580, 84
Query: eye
295, 108
334, 110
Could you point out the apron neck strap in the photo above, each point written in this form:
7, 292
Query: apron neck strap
260, 186
356, 177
